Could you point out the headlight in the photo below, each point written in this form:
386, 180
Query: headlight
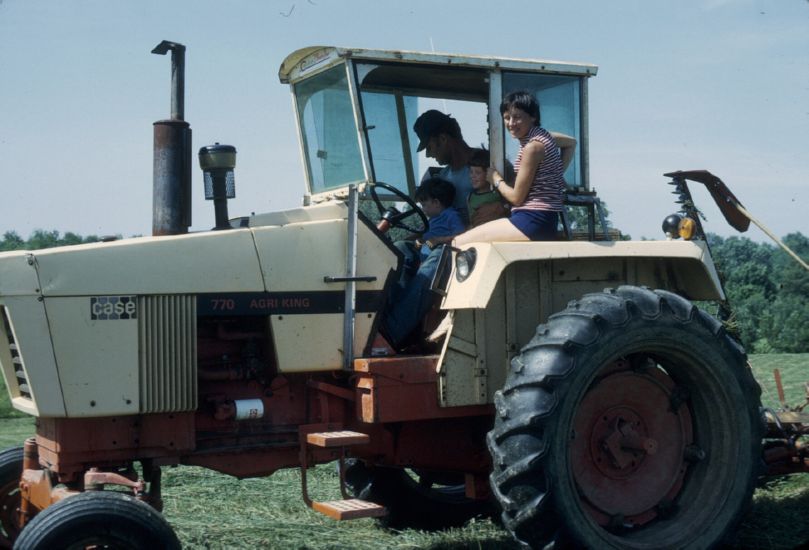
687, 228
677, 225
671, 226
465, 263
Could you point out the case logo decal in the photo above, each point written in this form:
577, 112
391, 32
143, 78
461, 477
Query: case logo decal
113, 308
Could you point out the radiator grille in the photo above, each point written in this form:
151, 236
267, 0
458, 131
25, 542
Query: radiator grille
167, 332
8, 339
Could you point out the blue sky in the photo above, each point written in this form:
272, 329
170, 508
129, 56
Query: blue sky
715, 84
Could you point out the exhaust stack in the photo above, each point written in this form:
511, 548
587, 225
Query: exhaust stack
171, 204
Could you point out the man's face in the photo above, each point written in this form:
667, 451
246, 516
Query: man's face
438, 149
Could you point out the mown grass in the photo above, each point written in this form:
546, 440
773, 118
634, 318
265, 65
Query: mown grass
14, 431
212, 511
6, 410
794, 368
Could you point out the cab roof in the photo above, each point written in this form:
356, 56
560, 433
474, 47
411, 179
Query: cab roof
304, 61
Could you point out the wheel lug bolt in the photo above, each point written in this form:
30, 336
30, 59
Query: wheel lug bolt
693, 453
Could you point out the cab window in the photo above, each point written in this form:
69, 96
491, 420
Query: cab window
328, 130
392, 98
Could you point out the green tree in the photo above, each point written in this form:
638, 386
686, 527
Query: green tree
42, 239
786, 327
745, 269
791, 277
767, 290
11, 241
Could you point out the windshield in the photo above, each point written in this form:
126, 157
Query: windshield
392, 98
328, 131
393, 145
393, 95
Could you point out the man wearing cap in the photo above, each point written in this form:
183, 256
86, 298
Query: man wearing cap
440, 138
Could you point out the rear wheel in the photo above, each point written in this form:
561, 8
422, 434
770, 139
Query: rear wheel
98, 520
418, 500
630, 421
10, 473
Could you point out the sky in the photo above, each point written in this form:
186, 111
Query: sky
721, 85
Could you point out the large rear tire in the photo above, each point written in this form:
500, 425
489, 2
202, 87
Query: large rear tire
98, 520
10, 473
631, 420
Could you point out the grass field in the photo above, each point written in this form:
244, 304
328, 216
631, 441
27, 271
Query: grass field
212, 511
794, 369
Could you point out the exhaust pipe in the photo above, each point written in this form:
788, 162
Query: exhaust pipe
171, 191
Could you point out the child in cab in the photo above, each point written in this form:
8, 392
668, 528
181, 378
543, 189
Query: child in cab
411, 297
435, 196
484, 202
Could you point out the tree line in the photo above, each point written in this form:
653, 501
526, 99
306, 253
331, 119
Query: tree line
42, 239
767, 290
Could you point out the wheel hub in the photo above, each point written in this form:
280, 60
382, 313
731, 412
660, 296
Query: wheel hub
619, 443
628, 449
9, 501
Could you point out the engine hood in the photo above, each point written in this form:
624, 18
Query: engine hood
222, 260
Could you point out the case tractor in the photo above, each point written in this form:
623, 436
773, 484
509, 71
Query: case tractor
577, 391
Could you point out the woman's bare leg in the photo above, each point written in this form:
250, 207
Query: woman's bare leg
496, 230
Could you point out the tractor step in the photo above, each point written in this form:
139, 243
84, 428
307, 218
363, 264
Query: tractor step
347, 508
352, 508
337, 439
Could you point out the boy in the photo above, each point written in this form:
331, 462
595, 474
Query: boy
411, 298
484, 202
435, 196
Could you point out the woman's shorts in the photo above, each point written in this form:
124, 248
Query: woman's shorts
537, 225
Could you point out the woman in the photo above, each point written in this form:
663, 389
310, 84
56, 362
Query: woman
536, 196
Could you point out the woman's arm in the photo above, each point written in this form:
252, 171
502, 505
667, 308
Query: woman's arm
532, 156
567, 146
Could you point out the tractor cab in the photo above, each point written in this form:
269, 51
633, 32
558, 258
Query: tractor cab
356, 108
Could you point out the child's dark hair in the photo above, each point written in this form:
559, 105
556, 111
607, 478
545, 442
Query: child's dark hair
436, 188
523, 101
480, 158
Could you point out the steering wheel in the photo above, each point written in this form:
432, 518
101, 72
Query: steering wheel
391, 217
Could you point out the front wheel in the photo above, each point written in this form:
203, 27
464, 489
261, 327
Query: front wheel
630, 420
10, 473
98, 520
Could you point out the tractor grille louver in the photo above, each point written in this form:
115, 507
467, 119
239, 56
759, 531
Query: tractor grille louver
167, 334
14, 352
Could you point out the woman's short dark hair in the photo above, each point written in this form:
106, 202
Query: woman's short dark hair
522, 100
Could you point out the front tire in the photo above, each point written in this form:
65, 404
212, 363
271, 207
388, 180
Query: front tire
630, 420
10, 473
98, 520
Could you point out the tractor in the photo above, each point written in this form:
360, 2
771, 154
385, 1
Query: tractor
577, 390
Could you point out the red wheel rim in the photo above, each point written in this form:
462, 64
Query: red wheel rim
629, 445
